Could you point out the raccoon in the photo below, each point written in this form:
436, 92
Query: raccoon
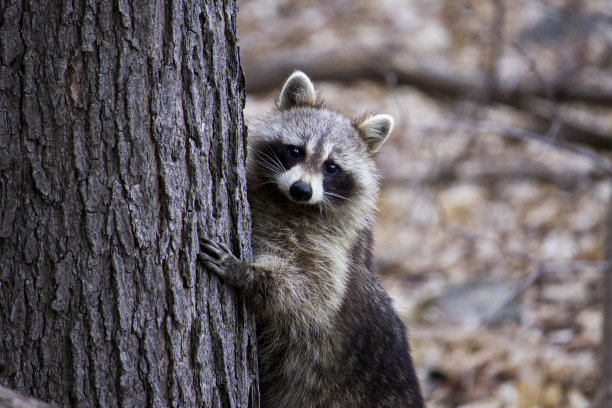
328, 335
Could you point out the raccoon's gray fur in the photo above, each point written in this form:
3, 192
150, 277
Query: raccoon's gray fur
327, 333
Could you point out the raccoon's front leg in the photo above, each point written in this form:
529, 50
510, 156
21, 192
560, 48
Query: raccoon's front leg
217, 258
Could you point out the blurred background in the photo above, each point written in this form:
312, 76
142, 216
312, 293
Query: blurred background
496, 181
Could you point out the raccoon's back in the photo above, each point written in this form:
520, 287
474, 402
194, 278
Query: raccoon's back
377, 364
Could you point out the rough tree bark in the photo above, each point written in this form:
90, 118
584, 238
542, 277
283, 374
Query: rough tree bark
121, 139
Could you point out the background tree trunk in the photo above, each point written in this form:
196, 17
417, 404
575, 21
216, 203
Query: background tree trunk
121, 139
604, 399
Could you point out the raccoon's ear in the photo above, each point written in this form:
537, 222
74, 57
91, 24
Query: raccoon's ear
297, 91
375, 130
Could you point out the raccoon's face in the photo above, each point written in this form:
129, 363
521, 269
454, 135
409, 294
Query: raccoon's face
309, 168
314, 156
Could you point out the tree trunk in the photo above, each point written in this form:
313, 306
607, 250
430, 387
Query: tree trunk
121, 140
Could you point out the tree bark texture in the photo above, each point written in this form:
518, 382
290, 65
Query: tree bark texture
121, 140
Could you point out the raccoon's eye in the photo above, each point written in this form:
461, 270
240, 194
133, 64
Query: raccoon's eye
295, 151
331, 168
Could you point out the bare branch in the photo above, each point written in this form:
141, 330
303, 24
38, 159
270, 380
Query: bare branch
352, 65
480, 126
524, 171
540, 267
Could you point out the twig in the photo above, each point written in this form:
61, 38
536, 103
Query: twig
541, 267
568, 181
491, 316
481, 126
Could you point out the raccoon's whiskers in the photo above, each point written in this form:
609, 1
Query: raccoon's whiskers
270, 161
265, 182
334, 196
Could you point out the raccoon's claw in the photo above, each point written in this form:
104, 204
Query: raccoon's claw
216, 257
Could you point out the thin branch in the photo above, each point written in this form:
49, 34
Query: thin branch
481, 126
541, 267
491, 316
564, 180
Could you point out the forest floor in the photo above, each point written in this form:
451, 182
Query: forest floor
491, 247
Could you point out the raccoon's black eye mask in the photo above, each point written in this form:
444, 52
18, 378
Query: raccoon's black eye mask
288, 155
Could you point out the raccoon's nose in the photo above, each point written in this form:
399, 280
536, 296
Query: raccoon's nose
300, 191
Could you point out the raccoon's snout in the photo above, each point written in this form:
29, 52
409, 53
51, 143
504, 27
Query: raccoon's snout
300, 191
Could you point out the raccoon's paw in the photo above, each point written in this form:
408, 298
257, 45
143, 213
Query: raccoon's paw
216, 257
